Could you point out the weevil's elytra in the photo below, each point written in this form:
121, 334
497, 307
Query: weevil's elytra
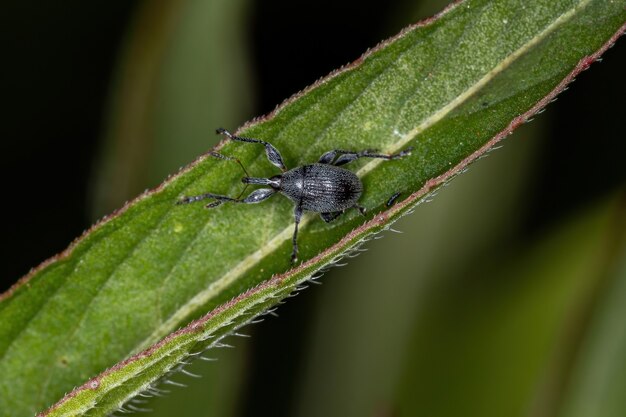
321, 187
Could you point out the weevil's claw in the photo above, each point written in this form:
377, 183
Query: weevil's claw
218, 155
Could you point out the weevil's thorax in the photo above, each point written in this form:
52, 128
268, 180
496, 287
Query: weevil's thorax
322, 188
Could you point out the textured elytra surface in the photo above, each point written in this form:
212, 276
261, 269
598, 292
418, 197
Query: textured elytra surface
445, 88
328, 188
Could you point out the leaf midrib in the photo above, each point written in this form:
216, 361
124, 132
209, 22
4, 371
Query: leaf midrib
216, 286
248, 262
251, 260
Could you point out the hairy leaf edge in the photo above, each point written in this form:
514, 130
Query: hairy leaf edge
380, 222
253, 122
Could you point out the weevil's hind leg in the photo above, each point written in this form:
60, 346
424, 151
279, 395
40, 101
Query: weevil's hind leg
361, 209
297, 215
254, 197
330, 216
272, 153
344, 157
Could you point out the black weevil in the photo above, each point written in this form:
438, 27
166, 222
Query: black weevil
321, 187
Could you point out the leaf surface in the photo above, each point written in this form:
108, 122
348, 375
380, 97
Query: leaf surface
450, 87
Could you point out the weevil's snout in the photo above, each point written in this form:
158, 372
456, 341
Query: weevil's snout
273, 182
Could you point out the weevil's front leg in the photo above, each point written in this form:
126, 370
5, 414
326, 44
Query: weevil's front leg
343, 157
254, 197
297, 215
272, 153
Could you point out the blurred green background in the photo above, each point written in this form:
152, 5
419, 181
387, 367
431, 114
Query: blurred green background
504, 296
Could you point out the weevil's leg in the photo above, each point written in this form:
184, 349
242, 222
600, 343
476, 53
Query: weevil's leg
257, 196
194, 198
328, 157
272, 153
343, 157
361, 209
392, 199
254, 197
330, 216
297, 215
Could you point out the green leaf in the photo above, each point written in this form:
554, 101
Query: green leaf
451, 87
179, 76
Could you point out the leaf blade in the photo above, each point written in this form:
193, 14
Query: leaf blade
156, 275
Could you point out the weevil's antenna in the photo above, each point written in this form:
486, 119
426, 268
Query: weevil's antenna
231, 158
